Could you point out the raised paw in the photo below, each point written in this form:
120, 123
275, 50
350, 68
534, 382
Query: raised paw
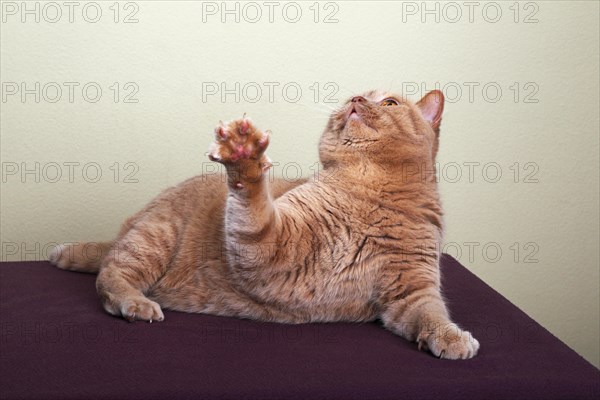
448, 341
237, 141
141, 308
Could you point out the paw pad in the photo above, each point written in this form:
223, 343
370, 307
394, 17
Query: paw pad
238, 140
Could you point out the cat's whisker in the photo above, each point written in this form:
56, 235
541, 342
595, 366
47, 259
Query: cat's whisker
316, 105
321, 108
349, 93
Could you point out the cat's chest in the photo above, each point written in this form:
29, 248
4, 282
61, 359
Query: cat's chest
380, 233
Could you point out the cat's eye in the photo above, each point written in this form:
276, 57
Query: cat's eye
390, 102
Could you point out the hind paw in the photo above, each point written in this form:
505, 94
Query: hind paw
59, 256
71, 258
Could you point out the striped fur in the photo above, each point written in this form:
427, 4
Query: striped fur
359, 243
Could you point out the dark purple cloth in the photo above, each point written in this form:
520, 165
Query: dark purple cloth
57, 342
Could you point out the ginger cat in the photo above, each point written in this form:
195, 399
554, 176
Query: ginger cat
357, 244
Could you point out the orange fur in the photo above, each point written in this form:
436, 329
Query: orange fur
359, 244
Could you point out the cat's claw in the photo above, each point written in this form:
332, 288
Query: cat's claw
141, 308
245, 125
263, 142
221, 132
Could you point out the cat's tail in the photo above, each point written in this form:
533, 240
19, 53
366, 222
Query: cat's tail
80, 257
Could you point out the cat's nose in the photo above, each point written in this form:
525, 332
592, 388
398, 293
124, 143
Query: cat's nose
358, 99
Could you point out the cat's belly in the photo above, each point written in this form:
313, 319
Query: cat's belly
311, 294
287, 296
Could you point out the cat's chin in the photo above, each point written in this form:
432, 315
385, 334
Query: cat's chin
354, 120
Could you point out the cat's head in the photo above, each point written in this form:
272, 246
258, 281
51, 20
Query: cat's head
384, 129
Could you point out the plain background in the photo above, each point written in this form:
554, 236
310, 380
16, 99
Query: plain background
519, 157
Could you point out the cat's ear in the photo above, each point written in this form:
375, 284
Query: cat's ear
432, 106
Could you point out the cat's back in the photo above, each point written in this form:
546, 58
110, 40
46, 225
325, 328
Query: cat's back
202, 198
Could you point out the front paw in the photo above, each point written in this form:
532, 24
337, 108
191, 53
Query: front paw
141, 308
238, 141
448, 341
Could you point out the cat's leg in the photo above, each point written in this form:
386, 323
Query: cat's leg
413, 307
250, 217
137, 260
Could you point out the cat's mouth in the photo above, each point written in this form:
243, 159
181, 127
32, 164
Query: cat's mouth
357, 116
353, 112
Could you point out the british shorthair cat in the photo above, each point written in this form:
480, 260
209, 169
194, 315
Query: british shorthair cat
359, 243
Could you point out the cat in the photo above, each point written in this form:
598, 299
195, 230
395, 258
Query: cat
359, 243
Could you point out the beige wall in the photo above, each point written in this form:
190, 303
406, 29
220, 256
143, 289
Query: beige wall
544, 143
